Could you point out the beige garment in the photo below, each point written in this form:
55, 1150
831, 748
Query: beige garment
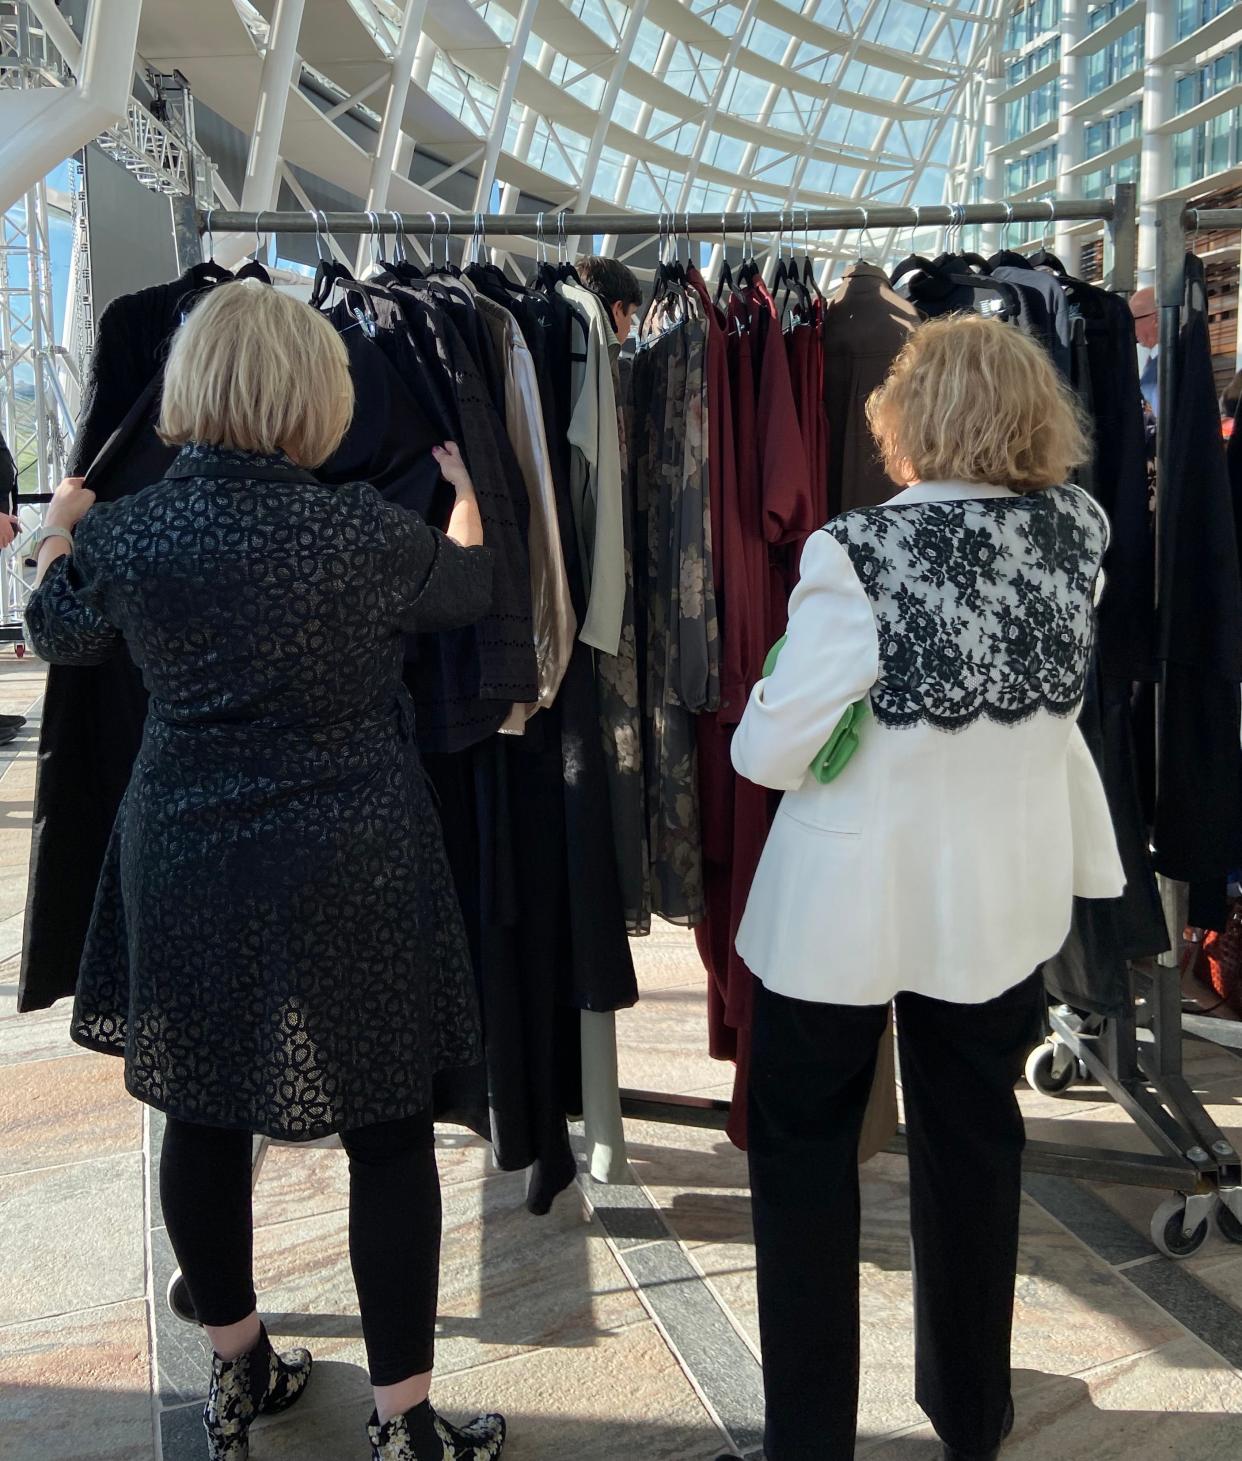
552, 613
880, 1122
595, 472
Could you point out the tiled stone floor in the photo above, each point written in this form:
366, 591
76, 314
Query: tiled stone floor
622, 1325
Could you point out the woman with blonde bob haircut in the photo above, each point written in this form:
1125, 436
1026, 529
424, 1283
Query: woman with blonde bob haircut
937, 870
276, 946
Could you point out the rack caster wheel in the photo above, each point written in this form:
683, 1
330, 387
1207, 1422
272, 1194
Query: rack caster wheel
1227, 1225
1168, 1230
1051, 1069
179, 1299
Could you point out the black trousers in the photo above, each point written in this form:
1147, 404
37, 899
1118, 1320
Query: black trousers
811, 1073
394, 1232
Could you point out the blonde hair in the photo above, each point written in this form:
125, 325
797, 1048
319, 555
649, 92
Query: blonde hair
973, 400
254, 369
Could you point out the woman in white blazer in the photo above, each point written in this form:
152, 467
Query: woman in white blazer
938, 870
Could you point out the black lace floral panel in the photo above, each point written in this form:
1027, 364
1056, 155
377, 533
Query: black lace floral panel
984, 607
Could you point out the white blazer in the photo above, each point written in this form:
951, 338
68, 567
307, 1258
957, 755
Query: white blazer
945, 857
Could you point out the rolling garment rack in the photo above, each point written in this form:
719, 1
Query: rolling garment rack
1142, 1071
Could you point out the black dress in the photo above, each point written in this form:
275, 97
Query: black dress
276, 944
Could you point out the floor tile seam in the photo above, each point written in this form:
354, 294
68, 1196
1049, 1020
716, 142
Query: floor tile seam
670, 1343
148, 1259
72, 1313
1123, 1276
132, 1151
305, 1217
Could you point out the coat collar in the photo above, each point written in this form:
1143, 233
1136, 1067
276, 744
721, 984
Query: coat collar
204, 459
862, 270
948, 492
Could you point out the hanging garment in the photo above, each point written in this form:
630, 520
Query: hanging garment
1051, 325
865, 326
596, 467
277, 788
8, 478
596, 473
93, 715
553, 620
787, 497
1118, 471
675, 609
1198, 824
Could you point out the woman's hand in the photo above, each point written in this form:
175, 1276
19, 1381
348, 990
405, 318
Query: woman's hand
9, 528
70, 503
453, 468
465, 524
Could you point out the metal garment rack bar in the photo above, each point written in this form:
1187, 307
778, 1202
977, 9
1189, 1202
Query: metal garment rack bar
566, 224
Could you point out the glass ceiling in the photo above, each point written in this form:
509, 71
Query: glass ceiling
701, 104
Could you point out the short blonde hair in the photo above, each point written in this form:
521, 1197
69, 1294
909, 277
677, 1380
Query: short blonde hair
254, 369
974, 400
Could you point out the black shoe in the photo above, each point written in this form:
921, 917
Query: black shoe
950, 1454
259, 1383
12, 722
422, 1435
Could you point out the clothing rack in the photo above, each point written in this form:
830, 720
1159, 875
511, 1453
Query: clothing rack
1120, 213
1193, 1157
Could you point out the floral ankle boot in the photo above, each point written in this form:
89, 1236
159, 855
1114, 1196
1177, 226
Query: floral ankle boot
259, 1383
422, 1435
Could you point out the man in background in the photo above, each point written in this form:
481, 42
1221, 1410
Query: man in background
617, 286
1147, 334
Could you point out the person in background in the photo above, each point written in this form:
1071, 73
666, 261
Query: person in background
617, 286
938, 868
276, 945
1147, 336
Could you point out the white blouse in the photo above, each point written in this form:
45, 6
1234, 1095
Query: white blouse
945, 857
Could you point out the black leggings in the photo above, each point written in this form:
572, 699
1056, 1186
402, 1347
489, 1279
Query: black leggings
394, 1232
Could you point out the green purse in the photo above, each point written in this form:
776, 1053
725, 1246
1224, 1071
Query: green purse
833, 756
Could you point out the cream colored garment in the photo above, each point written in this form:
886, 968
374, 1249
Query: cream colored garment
595, 473
552, 613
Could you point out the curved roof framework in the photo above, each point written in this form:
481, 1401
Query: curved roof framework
647, 105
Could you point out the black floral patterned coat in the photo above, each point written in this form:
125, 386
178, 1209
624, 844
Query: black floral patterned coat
276, 944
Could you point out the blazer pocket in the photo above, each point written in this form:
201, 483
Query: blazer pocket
826, 828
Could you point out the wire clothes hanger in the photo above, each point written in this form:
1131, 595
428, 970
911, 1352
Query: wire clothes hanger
209, 269
329, 271
253, 268
1041, 258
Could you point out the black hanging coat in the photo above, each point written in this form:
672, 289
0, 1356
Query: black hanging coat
1198, 825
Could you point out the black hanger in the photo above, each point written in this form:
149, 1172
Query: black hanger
209, 271
1007, 259
253, 269
915, 263
1042, 259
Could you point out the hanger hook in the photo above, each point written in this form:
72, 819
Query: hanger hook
1005, 227
211, 242
1052, 217
866, 217
257, 242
